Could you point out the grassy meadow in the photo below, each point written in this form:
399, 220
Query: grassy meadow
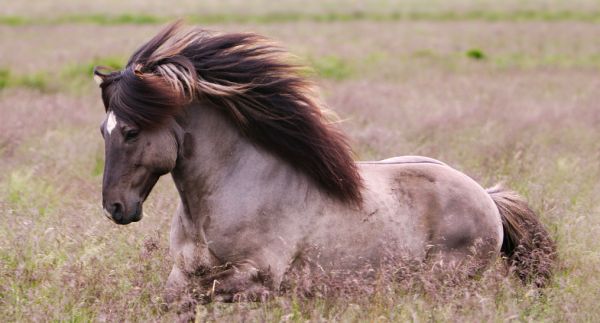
505, 91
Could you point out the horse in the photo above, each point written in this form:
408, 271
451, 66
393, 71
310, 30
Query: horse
263, 174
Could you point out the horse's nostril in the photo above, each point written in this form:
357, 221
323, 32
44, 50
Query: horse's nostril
117, 211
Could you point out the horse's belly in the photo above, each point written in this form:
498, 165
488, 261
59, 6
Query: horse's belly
390, 225
369, 241
408, 211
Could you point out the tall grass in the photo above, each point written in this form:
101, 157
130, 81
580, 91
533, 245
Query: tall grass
528, 119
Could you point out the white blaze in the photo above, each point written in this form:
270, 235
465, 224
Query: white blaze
111, 122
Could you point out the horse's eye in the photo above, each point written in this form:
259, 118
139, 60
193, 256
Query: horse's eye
131, 135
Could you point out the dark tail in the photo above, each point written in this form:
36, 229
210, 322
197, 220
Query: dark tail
527, 245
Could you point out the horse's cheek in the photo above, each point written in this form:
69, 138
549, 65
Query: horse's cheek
160, 158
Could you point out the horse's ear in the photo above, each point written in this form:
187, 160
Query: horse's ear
98, 79
99, 75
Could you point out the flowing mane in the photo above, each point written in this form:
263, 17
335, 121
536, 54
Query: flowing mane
253, 81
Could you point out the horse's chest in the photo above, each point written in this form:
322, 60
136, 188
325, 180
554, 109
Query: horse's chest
232, 237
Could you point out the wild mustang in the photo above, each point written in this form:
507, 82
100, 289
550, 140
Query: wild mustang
264, 178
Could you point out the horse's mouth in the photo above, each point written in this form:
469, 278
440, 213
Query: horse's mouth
107, 215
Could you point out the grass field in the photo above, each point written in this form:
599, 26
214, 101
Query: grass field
504, 91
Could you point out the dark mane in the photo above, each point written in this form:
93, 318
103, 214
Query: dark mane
257, 85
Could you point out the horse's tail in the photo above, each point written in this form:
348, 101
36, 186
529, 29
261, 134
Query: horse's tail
529, 249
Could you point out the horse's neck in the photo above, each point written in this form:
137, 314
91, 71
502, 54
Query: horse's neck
219, 170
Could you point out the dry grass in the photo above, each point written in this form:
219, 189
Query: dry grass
527, 115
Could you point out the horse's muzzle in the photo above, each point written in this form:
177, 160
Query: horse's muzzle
117, 213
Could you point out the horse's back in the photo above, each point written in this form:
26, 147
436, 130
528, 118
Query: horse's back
410, 159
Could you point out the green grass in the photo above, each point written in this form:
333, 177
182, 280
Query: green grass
73, 78
332, 67
476, 54
87, 69
14, 20
37, 80
4, 78
79, 77
285, 17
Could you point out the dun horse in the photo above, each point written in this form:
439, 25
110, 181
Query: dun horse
263, 177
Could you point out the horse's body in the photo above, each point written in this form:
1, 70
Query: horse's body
245, 207
263, 179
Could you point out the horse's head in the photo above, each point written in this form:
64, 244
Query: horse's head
134, 160
138, 147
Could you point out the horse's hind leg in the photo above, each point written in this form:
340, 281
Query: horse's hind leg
466, 234
466, 260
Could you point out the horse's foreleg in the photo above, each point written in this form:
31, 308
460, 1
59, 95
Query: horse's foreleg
242, 282
184, 288
177, 283
191, 255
